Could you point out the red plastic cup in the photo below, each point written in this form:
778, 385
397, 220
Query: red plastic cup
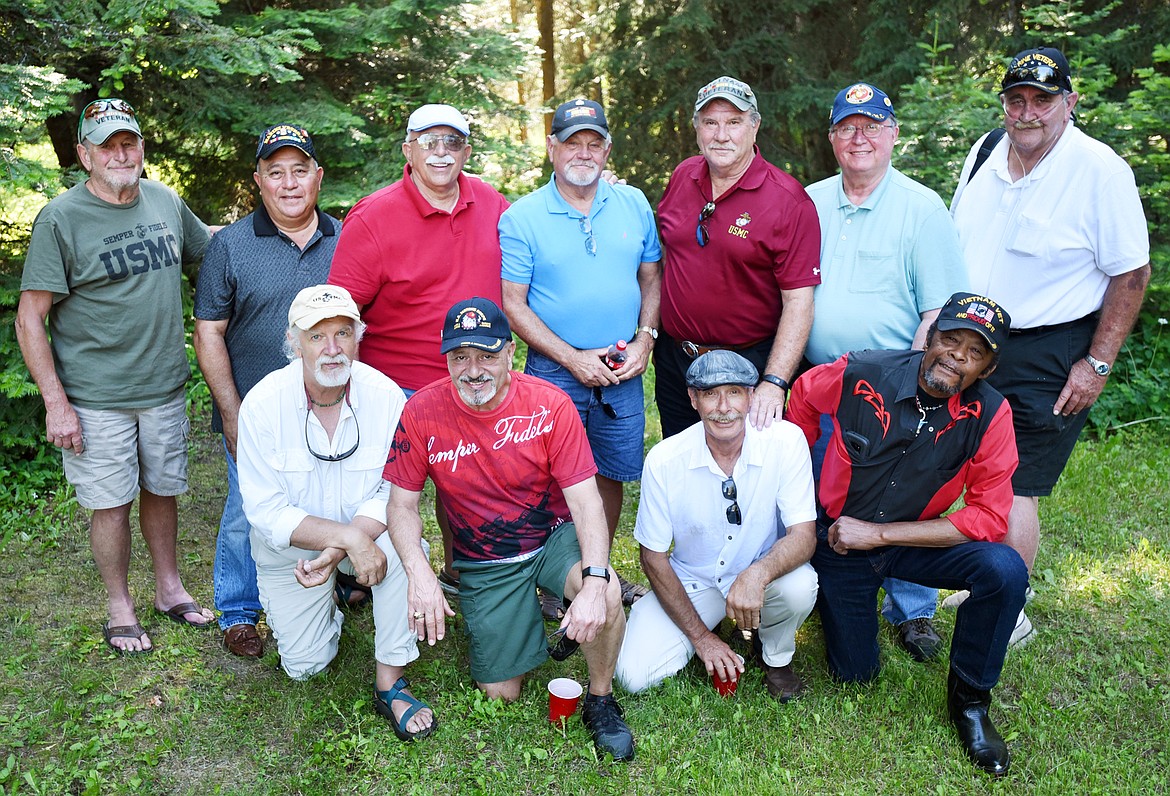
725, 687
564, 694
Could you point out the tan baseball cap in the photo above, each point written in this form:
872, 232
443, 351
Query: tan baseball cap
314, 304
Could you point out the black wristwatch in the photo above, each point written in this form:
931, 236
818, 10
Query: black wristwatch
595, 572
779, 382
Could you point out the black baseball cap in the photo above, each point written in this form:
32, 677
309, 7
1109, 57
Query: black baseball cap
475, 322
979, 314
282, 135
1044, 68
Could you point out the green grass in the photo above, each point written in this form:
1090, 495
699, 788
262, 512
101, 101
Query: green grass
1085, 706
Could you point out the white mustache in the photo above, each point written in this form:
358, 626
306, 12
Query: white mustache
339, 359
724, 417
444, 160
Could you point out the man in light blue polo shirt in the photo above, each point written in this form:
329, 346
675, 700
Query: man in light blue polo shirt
580, 272
890, 258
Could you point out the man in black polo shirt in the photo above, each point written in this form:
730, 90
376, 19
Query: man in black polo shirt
912, 431
251, 272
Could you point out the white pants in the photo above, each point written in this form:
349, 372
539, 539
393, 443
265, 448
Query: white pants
307, 623
655, 648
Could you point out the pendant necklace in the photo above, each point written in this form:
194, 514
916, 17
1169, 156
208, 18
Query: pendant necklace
922, 411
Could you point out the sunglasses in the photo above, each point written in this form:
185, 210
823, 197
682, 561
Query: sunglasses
730, 493
344, 455
453, 142
610, 412
1044, 75
590, 242
701, 233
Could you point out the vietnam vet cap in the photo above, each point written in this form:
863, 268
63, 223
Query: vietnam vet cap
979, 314
864, 99
102, 118
429, 116
719, 367
579, 114
314, 304
475, 322
1044, 68
282, 135
737, 92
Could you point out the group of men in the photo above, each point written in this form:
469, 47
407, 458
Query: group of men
343, 378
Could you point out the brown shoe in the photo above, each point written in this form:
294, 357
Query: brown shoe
244, 641
783, 683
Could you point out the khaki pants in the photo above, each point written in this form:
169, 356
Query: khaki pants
307, 623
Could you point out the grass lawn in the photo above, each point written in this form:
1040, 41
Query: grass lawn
1085, 706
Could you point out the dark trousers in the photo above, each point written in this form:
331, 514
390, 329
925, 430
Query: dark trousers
994, 573
670, 381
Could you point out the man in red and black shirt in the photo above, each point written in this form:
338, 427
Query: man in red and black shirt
512, 466
912, 431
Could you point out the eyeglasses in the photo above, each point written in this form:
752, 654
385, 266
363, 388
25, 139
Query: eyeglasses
590, 243
701, 234
846, 131
451, 141
729, 492
606, 407
1044, 75
98, 107
326, 457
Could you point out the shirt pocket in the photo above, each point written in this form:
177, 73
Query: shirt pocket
875, 272
294, 468
363, 476
1029, 236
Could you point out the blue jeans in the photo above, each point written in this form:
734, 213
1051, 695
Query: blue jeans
617, 441
236, 594
904, 600
994, 573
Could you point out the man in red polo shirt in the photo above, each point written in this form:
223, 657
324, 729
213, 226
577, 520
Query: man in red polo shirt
407, 248
741, 245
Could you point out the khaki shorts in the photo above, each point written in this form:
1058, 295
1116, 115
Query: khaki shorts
502, 611
128, 449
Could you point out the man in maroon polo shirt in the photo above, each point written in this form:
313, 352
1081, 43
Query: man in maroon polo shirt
741, 245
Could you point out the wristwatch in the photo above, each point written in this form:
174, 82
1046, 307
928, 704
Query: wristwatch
650, 330
1102, 368
595, 572
779, 382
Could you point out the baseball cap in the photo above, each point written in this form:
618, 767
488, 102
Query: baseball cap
979, 314
429, 116
314, 304
282, 135
102, 118
737, 92
579, 114
861, 98
475, 322
719, 367
1044, 68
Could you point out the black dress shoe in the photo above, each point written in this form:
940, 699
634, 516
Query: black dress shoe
968, 708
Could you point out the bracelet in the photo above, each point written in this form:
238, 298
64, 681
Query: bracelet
779, 382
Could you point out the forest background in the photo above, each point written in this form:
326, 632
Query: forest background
206, 77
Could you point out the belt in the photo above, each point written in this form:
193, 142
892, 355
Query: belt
694, 350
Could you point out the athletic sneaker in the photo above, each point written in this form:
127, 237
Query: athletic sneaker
1023, 632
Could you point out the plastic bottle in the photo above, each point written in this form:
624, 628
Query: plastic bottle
616, 356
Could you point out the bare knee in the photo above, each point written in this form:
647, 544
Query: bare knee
508, 690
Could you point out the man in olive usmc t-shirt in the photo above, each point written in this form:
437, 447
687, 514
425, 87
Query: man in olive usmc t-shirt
104, 268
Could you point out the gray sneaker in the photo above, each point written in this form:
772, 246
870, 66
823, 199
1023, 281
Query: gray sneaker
920, 639
602, 716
